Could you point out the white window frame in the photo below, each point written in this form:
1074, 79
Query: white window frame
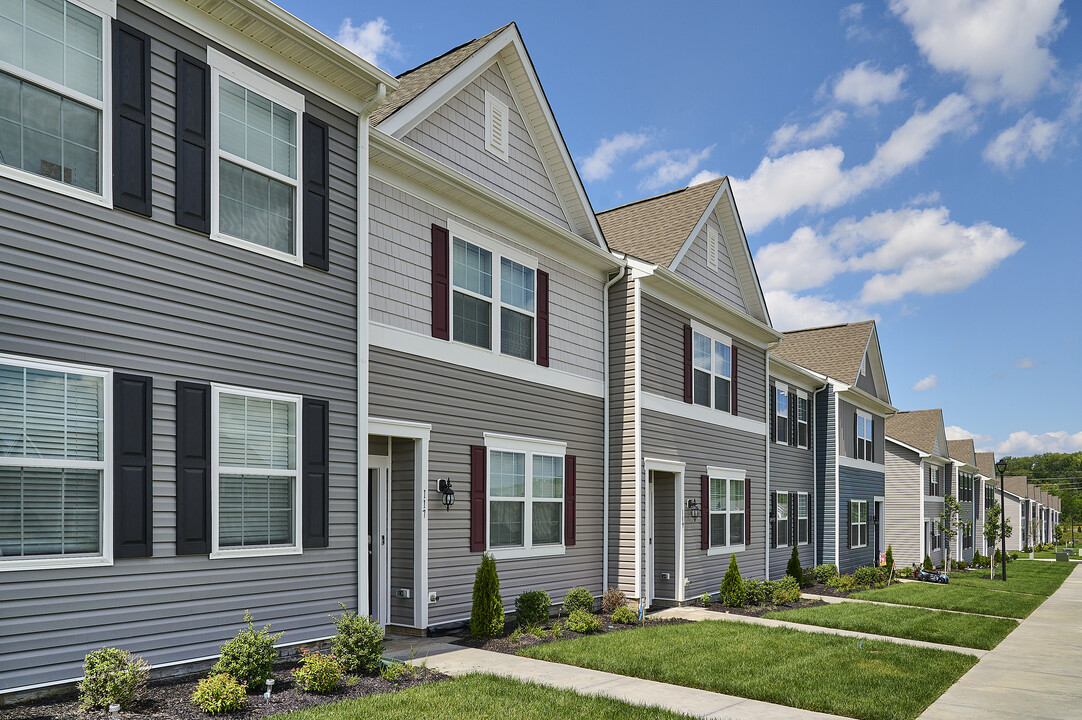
105, 465
806, 518
106, 10
801, 395
499, 251
216, 551
714, 336
935, 490
781, 390
778, 520
726, 475
496, 442
492, 105
855, 504
222, 65
870, 440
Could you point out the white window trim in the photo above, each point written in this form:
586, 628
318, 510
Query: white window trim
777, 507
216, 551
783, 389
223, 65
726, 474
715, 336
106, 10
934, 481
865, 523
494, 103
529, 446
105, 465
857, 438
807, 505
801, 395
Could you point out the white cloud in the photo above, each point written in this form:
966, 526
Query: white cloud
999, 46
1024, 363
928, 198
372, 41
792, 135
1025, 443
929, 383
703, 176
866, 87
815, 178
789, 311
850, 16
1030, 136
958, 433
804, 261
670, 166
598, 166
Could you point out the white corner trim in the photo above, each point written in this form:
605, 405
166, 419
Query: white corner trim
861, 464
698, 413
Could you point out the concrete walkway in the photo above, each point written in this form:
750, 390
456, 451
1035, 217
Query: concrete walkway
1033, 673
457, 660
694, 613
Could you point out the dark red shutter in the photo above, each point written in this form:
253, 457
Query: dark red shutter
193, 468
569, 500
747, 513
542, 318
704, 511
792, 419
773, 413
478, 487
131, 119
441, 283
315, 182
193, 144
688, 383
732, 381
773, 520
133, 477
315, 476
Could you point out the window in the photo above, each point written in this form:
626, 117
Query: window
864, 436
933, 480
802, 518
525, 494
726, 510
256, 482
802, 415
781, 519
55, 465
53, 95
989, 495
781, 414
937, 538
481, 281
965, 487
858, 523
254, 184
711, 370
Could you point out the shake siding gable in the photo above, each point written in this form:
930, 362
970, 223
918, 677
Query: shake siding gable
721, 282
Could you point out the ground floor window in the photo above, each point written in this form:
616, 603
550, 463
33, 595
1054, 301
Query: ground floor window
781, 519
858, 523
802, 518
726, 511
525, 493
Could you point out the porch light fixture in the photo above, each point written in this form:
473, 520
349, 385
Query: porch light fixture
693, 509
443, 486
1001, 467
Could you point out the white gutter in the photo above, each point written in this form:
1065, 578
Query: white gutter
605, 462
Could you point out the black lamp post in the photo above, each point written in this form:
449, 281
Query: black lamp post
1001, 467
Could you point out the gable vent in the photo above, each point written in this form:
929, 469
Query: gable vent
712, 248
496, 126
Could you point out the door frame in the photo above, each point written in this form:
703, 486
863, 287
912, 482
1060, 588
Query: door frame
676, 469
379, 514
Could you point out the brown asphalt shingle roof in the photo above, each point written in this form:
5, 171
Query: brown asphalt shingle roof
834, 350
986, 463
1019, 485
414, 82
961, 450
917, 428
656, 228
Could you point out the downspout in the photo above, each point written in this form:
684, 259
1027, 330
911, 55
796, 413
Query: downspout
607, 398
769, 420
363, 114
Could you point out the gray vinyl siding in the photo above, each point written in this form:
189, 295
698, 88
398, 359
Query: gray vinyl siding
403, 474
622, 433
847, 431
665, 535
454, 134
721, 282
933, 508
865, 381
825, 495
400, 285
462, 404
91, 285
792, 469
904, 505
857, 484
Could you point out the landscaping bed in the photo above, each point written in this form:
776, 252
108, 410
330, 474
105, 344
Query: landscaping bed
511, 641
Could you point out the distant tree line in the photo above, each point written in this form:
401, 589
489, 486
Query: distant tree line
1059, 474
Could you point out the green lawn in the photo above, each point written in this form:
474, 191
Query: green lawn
956, 597
482, 697
1023, 576
972, 631
827, 673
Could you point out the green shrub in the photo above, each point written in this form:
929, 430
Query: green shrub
978, 560
785, 591
960, 564
358, 642
578, 598
889, 558
704, 599
928, 567
842, 583
249, 657
807, 577
220, 693
583, 621
732, 588
532, 608
757, 592
319, 674
998, 557
612, 599
486, 618
112, 676
793, 569
823, 573
867, 576
392, 671
624, 615
1012, 556
905, 572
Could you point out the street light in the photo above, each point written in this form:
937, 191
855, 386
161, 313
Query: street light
1001, 467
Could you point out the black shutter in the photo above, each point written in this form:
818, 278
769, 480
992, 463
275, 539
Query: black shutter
732, 380
793, 539
688, 374
316, 184
870, 454
773, 413
856, 436
133, 477
131, 119
315, 478
193, 468
773, 520
849, 523
193, 144
792, 419
569, 500
704, 512
811, 514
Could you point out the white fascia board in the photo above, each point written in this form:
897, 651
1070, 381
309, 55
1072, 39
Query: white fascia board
863, 401
894, 441
796, 375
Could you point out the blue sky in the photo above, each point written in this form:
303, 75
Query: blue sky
915, 161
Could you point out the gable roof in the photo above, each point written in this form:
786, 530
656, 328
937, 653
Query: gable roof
918, 428
1019, 485
986, 464
961, 450
833, 350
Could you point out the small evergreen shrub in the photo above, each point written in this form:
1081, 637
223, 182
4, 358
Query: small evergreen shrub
249, 657
793, 569
532, 608
578, 598
112, 676
358, 642
583, 621
890, 558
928, 567
757, 592
612, 599
823, 573
486, 618
1012, 557
905, 572
220, 693
807, 577
785, 591
842, 583
960, 564
319, 674
624, 615
867, 576
732, 587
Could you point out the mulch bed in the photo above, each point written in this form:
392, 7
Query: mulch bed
760, 610
170, 699
503, 644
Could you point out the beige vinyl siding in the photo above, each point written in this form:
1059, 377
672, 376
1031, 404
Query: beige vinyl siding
722, 282
623, 428
903, 504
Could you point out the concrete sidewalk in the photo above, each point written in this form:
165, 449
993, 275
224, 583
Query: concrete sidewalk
1033, 673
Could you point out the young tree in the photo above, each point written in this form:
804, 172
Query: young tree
948, 526
993, 533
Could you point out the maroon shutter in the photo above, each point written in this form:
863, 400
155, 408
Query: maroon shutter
792, 419
687, 365
747, 512
542, 318
704, 534
773, 413
478, 486
773, 530
441, 283
732, 382
569, 500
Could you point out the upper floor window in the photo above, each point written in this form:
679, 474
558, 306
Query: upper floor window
781, 411
712, 370
254, 181
933, 480
53, 94
727, 507
989, 495
858, 523
864, 436
525, 494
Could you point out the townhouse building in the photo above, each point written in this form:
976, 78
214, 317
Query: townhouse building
967, 477
1014, 508
986, 479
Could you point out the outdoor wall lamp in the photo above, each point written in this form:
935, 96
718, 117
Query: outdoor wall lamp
693, 509
443, 486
